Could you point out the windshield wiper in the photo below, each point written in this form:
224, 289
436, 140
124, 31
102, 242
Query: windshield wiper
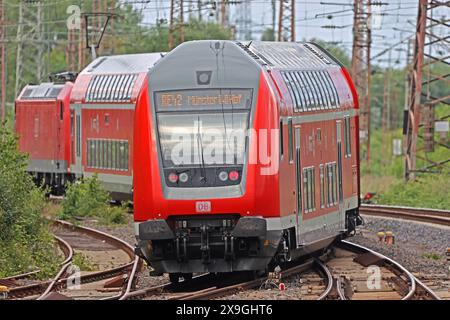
200, 144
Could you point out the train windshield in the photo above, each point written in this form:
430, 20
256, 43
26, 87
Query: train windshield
203, 128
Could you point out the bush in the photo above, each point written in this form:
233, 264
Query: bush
25, 240
88, 198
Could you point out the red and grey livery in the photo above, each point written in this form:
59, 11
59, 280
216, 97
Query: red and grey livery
102, 110
235, 216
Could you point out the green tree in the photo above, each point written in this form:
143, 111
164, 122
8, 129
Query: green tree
268, 35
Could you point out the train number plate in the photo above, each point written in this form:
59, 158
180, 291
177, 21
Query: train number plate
203, 206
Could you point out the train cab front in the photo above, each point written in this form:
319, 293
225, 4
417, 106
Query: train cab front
194, 196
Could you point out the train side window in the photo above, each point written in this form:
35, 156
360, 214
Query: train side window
309, 189
322, 186
330, 185
305, 190
61, 111
281, 140
291, 145
347, 137
78, 133
313, 188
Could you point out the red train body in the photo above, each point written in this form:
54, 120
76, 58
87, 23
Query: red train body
43, 126
288, 188
102, 108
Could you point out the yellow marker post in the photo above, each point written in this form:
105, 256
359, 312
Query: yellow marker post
3, 292
381, 236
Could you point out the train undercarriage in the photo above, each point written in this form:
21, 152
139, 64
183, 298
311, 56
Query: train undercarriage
184, 245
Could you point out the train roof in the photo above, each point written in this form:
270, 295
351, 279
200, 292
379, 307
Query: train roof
42, 91
115, 79
289, 55
122, 64
310, 75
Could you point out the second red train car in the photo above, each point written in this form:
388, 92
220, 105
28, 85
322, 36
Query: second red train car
102, 109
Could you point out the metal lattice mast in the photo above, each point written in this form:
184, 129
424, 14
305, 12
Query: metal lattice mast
176, 26
361, 67
286, 21
2, 61
30, 64
430, 71
244, 20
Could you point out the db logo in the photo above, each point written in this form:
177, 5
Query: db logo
203, 206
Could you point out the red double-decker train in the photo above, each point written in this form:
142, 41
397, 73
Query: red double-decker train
246, 154
77, 129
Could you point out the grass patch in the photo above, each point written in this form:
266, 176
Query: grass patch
384, 176
82, 262
431, 256
88, 198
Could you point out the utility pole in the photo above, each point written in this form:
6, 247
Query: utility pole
244, 20
361, 67
2, 61
274, 17
199, 8
432, 35
71, 50
30, 66
286, 21
176, 26
224, 13
386, 111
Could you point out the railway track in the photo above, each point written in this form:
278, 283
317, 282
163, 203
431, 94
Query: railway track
110, 281
440, 217
362, 274
341, 276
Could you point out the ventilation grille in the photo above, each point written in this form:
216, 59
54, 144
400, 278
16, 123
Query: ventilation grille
288, 55
311, 90
111, 88
42, 91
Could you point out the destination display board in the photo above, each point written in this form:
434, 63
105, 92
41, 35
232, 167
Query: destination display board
209, 99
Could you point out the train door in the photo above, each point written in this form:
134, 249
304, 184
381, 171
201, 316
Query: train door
78, 141
298, 171
339, 168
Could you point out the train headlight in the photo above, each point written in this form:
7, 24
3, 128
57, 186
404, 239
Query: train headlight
173, 177
184, 177
223, 176
233, 175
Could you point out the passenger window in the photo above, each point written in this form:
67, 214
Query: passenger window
281, 140
291, 158
347, 137
322, 187
309, 189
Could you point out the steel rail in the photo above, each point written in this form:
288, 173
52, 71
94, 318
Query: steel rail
412, 281
323, 268
434, 216
60, 280
211, 293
